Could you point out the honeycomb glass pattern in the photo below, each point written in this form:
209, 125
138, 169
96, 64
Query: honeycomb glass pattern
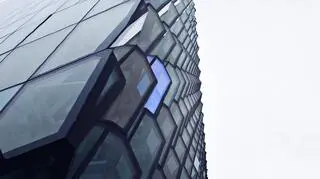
100, 89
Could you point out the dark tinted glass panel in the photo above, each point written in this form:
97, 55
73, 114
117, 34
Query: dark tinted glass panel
146, 144
84, 148
157, 174
110, 161
52, 97
139, 79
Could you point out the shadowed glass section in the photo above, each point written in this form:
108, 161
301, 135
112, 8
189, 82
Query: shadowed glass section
84, 148
184, 174
52, 97
146, 143
157, 3
176, 113
110, 161
188, 164
170, 15
17, 67
79, 43
171, 165
139, 79
163, 80
164, 46
122, 51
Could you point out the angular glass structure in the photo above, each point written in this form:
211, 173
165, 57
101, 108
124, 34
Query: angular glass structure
96, 89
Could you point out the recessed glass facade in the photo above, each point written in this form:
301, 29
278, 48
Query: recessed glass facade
100, 89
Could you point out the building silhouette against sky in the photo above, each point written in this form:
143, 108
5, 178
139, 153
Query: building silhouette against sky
100, 89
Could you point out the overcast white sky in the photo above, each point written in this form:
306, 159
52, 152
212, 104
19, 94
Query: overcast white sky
260, 65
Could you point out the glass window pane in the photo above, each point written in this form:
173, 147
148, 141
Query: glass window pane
180, 149
167, 127
184, 174
151, 30
174, 85
139, 78
188, 164
130, 31
17, 67
84, 148
170, 15
186, 137
157, 174
110, 161
176, 113
122, 51
79, 43
157, 3
61, 20
163, 80
52, 97
7, 94
146, 143
171, 166
104, 5
183, 108
174, 55
164, 46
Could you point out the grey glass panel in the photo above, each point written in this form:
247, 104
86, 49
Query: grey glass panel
110, 161
180, 148
193, 173
146, 144
132, 30
139, 78
189, 128
52, 97
157, 3
176, 113
177, 27
68, 4
182, 84
6, 95
186, 137
188, 164
192, 151
170, 15
183, 35
171, 166
151, 30
183, 108
180, 6
167, 127
164, 46
84, 148
104, 5
184, 174
174, 86
22, 62
182, 58
14, 39
62, 19
157, 174
174, 55
184, 17
79, 43
120, 52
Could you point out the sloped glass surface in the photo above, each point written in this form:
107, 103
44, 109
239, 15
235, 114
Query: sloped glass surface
157, 175
174, 55
110, 161
103, 5
186, 137
145, 144
139, 78
184, 174
163, 81
52, 97
182, 84
188, 165
180, 149
22, 62
62, 19
170, 15
176, 113
79, 43
157, 3
120, 52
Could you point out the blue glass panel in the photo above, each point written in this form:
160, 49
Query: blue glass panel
163, 80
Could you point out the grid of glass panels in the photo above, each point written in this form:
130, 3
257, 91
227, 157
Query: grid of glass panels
106, 112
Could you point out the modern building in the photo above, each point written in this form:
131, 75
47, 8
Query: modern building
100, 89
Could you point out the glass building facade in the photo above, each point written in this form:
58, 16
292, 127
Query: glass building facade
100, 89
